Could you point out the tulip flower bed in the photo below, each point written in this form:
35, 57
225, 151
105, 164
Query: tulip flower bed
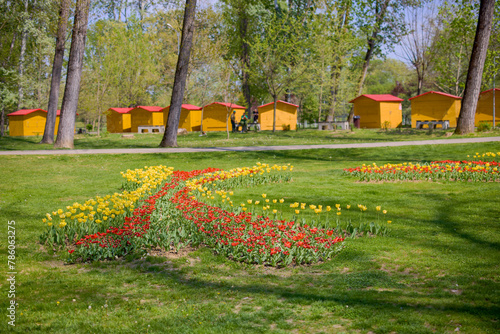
97, 214
465, 170
174, 217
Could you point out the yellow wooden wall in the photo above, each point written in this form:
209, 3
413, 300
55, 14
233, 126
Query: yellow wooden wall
16, 126
118, 122
32, 124
189, 119
214, 117
369, 112
140, 117
374, 114
285, 115
484, 111
391, 112
435, 107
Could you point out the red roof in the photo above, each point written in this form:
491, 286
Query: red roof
187, 106
290, 104
121, 110
380, 98
226, 104
150, 108
433, 92
489, 90
24, 112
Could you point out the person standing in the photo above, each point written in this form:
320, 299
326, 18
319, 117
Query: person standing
233, 121
243, 123
256, 119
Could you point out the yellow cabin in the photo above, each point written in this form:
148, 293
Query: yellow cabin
29, 122
378, 110
118, 120
484, 111
435, 106
190, 117
286, 115
215, 115
145, 115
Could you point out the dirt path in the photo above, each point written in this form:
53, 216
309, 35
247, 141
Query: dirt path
251, 148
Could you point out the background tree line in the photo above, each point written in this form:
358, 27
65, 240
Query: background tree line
318, 54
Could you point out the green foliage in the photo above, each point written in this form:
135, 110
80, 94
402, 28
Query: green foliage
484, 126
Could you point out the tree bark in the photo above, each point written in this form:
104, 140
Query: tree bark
465, 122
245, 58
24, 37
334, 92
337, 67
379, 19
2, 122
66, 131
50, 124
170, 135
275, 99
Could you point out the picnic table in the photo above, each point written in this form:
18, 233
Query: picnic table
150, 128
444, 124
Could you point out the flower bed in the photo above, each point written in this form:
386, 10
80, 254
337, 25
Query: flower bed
194, 208
465, 170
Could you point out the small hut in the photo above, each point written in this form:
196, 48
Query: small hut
118, 120
146, 116
378, 110
190, 118
215, 115
29, 122
286, 116
435, 106
484, 111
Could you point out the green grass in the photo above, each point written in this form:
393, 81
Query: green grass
219, 139
437, 271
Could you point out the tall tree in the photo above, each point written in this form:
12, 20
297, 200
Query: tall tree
50, 124
417, 44
278, 56
22, 55
450, 51
241, 21
170, 135
383, 24
69, 106
465, 122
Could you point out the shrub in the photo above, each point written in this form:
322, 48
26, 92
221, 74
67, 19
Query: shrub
484, 126
386, 125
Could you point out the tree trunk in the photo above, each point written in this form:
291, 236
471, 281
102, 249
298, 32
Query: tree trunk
275, 98
2, 122
50, 124
201, 123
24, 37
99, 124
245, 58
465, 122
170, 135
379, 19
66, 131
12, 43
334, 92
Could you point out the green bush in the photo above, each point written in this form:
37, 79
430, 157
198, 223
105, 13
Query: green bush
484, 126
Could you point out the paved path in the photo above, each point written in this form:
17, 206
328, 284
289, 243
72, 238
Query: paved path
252, 148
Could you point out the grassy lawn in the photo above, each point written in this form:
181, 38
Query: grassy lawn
219, 139
437, 271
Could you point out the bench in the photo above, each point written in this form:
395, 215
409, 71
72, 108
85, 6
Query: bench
150, 128
444, 124
344, 125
